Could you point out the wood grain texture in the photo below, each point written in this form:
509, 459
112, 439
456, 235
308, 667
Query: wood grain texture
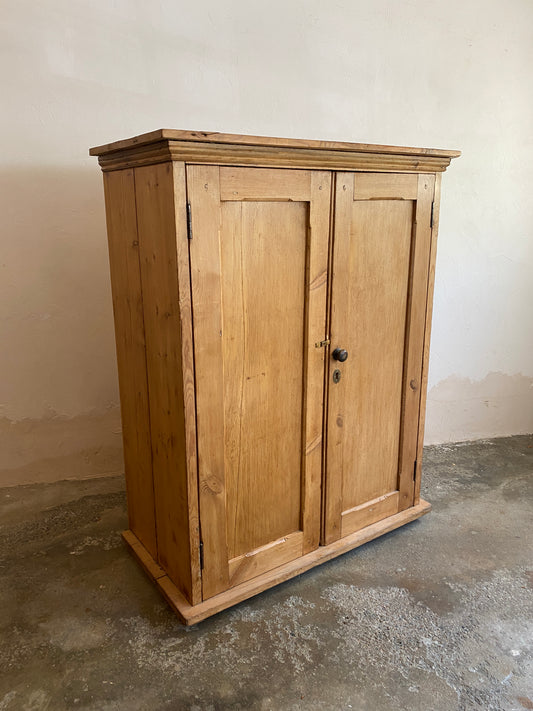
119, 188
427, 335
371, 511
241, 139
259, 267
187, 371
275, 156
203, 190
380, 186
369, 300
315, 358
416, 320
263, 296
192, 614
265, 558
156, 220
264, 184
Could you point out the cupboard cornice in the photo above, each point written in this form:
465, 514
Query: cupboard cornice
220, 148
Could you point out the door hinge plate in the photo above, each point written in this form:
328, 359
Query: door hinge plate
189, 221
414, 470
201, 552
432, 212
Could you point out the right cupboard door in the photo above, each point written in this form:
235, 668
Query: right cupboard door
381, 248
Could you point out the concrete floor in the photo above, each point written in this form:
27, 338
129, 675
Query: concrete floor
436, 616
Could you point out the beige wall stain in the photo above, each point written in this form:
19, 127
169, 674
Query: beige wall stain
55, 448
461, 409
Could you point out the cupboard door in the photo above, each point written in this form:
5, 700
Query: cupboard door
258, 255
382, 234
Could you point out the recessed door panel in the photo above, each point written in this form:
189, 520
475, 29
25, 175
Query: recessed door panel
258, 274
379, 283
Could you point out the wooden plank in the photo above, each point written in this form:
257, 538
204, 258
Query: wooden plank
192, 614
264, 184
187, 370
374, 283
339, 313
266, 156
365, 514
241, 139
427, 335
314, 358
380, 186
203, 189
154, 570
263, 255
154, 189
265, 558
119, 188
416, 321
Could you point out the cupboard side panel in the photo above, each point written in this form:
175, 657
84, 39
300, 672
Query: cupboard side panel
203, 190
415, 339
154, 189
427, 335
119, 190
187, 360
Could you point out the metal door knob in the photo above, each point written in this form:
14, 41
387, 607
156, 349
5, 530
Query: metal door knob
340, 354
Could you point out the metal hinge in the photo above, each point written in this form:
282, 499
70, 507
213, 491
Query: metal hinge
414, 470
321, 344
431, 220
201, 555
189, 221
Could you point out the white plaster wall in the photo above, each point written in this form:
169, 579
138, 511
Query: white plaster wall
77, 73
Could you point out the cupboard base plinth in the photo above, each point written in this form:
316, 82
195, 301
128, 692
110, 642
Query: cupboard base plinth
191, 614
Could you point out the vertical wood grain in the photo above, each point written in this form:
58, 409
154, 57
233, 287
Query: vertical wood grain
156, 219
416, 321
427, 335
203, 190
339, 314
187, 360
119, 188
314, 364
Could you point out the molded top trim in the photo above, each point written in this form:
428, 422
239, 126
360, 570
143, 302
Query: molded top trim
165, 134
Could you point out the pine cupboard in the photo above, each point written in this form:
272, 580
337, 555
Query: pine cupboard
272, 301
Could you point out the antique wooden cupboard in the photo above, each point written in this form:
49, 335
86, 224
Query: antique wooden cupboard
272, 302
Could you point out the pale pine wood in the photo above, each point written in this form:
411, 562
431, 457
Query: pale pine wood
203, 190
365, 514
427, 335
380, 186
241, 139
264, 184
369, 300
156, 224
244, 425
275, 156
192, 614
416, 321
272, 246
314, 363
263, 297
119, 188
265, 558
187, 370
339, 313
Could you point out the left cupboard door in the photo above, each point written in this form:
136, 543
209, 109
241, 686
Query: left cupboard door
258, 255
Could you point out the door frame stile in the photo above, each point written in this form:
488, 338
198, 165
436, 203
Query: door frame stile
414, 339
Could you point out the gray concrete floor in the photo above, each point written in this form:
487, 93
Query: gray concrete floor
434, 616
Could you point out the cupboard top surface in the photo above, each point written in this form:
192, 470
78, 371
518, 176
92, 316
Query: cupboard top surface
165, 134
